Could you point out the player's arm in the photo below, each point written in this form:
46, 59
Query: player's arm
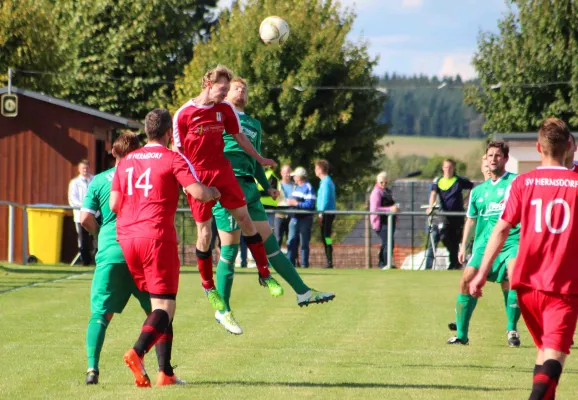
247, 146
115, 200
468, 227
89, 210
179, 132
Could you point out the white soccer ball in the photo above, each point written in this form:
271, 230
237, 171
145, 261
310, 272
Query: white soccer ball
274, 30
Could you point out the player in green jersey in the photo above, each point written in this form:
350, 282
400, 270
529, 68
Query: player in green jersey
112, 284
485, 206
247, 170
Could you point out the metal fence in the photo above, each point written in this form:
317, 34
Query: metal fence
355, 243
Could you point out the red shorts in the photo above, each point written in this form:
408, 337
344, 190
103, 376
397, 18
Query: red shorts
224, 180
154, 264
550, 318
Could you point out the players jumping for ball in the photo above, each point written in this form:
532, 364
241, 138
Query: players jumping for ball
246, 170
198, 134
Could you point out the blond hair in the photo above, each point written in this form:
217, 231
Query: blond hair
213, 75
126, 143
240, 80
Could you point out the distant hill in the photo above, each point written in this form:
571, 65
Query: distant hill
416, 107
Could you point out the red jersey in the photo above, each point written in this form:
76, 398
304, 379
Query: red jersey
545, 202
198, 130
148, 179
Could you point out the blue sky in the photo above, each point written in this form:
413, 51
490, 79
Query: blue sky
434, 37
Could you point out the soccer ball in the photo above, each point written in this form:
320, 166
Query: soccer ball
274, 30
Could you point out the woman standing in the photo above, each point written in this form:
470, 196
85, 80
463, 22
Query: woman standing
381, 199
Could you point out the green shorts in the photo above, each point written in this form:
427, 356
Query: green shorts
112, 286
499, 271
224, 219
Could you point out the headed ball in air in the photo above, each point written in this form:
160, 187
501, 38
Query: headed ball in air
274, 30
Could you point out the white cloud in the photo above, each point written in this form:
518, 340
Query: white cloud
411, 4
459, 63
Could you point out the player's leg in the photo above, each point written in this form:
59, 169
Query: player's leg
283, 267
205, 262
326, 231
500, 271
465, 305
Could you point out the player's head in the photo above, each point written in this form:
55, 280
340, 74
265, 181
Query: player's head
554, 139
238, 93
286, 173
382, 180
497, 156
485, 168
84, 167
569, 162
449, 167
158, 126
321, 168
216, 82
126, 143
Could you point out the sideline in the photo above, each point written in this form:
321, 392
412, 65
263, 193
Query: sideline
44, 282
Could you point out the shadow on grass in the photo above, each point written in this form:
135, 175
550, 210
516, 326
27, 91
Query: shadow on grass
247, 271
356, 385
482, 367
46, 270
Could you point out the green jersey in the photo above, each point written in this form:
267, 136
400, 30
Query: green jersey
486, 206
243, 164
95, 201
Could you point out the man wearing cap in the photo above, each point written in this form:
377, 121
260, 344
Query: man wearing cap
302, 198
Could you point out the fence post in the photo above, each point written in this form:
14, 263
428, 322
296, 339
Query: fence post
11, 233
367, 235
24, 235
390, 240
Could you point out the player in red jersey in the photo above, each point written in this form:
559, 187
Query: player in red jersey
544, 202
198, 134
144, 195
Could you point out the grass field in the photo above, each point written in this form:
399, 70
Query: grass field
429, 146
382, 338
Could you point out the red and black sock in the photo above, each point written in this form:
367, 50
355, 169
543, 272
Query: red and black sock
546, 380
205, 264
164, 348
257, 249
153, 328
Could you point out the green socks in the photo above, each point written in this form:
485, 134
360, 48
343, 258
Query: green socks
283, 266
465, 306
226, 271
512, 309
95, 338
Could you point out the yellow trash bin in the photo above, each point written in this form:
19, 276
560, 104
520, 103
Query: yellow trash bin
45, 234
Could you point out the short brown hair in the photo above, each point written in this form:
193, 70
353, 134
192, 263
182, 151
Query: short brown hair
553, 137
240, 80
499, 144
84, 161
126, 143
451, 161
323, 164
157, 123
213, 75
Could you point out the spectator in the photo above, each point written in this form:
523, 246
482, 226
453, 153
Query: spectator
449, 188
325, 202
381, 199
285, 190
76, 191
300, 225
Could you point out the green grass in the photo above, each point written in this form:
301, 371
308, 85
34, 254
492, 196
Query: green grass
382, 338
461, 149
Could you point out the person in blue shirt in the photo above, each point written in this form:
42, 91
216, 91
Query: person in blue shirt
302, 198
325, 202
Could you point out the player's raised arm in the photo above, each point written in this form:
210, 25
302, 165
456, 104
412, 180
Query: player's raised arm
115, 200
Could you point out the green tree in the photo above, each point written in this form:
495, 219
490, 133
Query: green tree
537, 43
126, 53
29, 41
301, 123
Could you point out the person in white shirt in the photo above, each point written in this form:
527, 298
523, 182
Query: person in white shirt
76, 191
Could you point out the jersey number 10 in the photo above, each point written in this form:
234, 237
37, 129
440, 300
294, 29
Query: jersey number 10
146, 186
548, 215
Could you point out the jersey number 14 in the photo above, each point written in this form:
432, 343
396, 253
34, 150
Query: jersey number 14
143, 182
561, 203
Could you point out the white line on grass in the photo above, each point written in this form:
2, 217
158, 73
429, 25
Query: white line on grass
43, 282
